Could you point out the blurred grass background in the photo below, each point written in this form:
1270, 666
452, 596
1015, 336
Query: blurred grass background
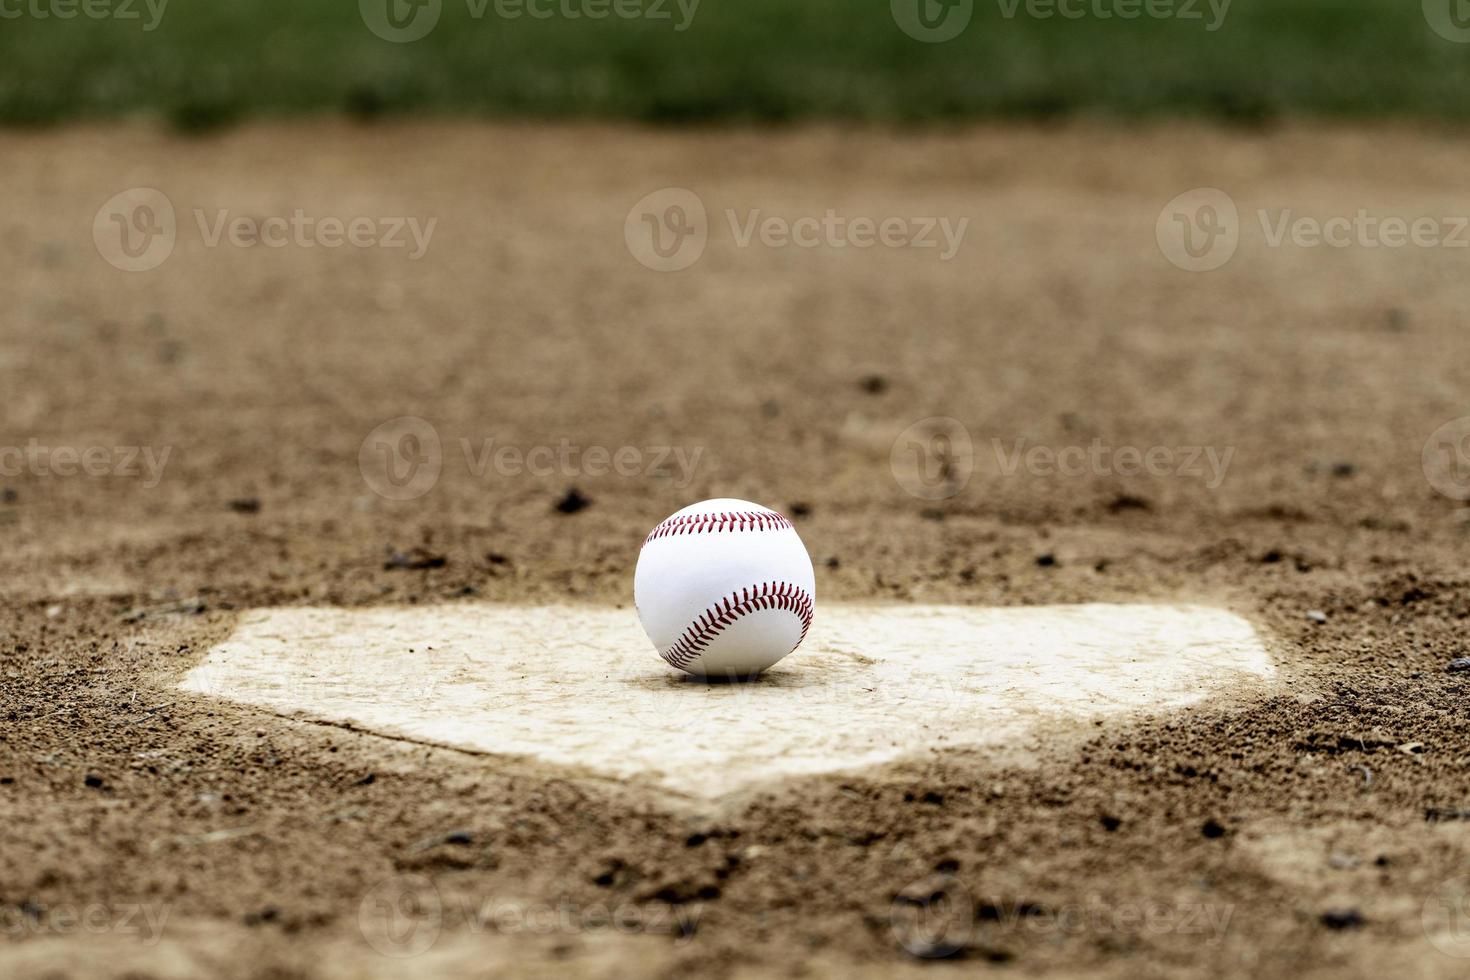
208, 63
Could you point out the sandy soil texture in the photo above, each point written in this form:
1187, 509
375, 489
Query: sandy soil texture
1321, 832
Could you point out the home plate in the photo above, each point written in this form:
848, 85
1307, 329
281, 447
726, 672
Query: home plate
581, 687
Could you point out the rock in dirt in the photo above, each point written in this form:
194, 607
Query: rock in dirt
573, 502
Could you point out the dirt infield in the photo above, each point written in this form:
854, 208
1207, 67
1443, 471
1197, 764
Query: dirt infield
1290, 399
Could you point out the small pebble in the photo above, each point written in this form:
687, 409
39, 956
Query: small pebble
1317, 616
416, 559
268, 914
573, 502
1459, 664
1342, 918
1127, 501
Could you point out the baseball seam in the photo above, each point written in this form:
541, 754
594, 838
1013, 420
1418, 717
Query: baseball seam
738, 520
709, 625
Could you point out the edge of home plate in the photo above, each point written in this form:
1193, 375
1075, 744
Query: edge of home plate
580, 686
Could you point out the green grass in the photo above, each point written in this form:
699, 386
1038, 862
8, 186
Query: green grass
211, 61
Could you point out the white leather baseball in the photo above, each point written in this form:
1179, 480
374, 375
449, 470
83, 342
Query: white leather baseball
724, 588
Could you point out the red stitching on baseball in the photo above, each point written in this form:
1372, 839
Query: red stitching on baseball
714, 620
736, 520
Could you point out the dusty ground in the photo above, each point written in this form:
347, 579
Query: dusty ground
1303, 836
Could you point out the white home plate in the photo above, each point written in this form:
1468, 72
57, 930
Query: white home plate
581, 686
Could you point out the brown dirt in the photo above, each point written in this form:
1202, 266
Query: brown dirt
1321, 823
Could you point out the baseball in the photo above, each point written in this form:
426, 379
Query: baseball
724, 588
